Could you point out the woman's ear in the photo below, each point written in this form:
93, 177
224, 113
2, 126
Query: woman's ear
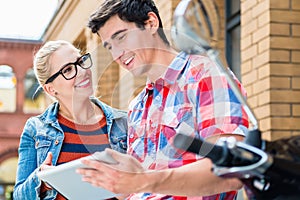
48, 88
152, 23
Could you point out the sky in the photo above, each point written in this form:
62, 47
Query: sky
25, 19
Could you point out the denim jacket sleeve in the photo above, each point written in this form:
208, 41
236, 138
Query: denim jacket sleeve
27, 183
118, 132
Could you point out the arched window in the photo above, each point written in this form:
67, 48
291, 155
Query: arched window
8, 170
8, 92
34, 100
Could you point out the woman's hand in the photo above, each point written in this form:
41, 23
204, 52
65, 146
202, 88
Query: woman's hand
47, 164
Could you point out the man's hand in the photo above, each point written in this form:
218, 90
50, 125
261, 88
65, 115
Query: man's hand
121, 178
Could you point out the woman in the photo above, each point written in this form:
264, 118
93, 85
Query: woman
75, 125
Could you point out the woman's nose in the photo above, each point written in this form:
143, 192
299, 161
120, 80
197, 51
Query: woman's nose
80, 70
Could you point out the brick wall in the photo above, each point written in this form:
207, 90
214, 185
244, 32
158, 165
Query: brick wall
270, 44
18, 55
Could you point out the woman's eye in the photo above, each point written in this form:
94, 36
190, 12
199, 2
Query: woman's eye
82, 60
68, 69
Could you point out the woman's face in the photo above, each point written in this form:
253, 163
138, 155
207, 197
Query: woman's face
78, 87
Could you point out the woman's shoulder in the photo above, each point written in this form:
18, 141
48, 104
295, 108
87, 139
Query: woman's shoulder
48, 114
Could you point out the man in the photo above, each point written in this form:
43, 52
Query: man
184, 93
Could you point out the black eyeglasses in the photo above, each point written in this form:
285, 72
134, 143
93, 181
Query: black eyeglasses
69, 70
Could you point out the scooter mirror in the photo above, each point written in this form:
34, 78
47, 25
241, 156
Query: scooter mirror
196, 26
195, 30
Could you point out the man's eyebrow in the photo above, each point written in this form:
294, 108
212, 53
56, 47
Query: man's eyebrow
114, 36
117, 33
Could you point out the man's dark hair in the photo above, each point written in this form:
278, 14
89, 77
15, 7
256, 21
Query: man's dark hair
128, 10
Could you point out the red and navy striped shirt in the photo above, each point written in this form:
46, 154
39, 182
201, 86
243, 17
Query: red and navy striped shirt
81, 140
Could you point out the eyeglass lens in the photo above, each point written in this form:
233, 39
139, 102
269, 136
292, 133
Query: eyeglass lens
69, 71
85, 62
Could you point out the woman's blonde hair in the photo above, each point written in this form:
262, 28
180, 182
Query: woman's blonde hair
41, 61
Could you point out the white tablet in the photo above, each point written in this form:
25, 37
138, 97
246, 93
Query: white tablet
64, 179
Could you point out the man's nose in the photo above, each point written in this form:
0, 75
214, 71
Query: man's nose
117, 52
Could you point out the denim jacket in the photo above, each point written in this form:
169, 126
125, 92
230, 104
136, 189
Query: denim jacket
42, 134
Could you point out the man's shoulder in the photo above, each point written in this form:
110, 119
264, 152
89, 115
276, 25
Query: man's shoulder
200, 61
197, 67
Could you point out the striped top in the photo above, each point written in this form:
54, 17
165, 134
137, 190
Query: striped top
81, 140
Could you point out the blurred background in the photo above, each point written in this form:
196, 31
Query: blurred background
260, 40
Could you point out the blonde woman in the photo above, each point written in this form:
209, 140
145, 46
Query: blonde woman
75, 125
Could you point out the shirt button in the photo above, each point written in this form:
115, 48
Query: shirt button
56, 142
131, 136
157, 98
37, 144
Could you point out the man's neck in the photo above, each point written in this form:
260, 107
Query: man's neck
163, 59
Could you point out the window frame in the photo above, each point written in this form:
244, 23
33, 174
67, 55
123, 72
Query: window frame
232, 21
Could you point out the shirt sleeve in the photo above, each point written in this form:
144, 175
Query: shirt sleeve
217, 110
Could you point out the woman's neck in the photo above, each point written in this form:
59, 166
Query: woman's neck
87, 113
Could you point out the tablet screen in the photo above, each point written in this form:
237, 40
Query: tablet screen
64, 179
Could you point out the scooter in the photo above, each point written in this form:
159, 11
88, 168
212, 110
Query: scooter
268, 169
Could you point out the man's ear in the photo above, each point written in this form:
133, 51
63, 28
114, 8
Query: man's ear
48, 88
152, 23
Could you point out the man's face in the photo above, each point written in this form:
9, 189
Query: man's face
130, 46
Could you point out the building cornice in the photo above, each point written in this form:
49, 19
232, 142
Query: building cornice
19, 44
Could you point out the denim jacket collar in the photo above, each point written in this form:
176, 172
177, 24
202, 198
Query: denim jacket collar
49, 116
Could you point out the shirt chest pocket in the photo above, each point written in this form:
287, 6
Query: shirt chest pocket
173, 122
42, 146
173, 118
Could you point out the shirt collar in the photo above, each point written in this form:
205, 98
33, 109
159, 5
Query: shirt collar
170, 75
173, 71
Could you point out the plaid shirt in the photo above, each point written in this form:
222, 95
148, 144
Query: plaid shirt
192, 97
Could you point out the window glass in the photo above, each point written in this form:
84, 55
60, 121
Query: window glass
235, 6
8, 83
235, 51
8, 170
34, 100
233, 36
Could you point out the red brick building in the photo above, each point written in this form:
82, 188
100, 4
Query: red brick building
15, 103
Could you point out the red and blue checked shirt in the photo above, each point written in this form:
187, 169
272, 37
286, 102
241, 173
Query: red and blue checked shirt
192, 97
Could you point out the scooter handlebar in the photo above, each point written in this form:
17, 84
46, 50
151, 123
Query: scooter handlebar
227, 152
